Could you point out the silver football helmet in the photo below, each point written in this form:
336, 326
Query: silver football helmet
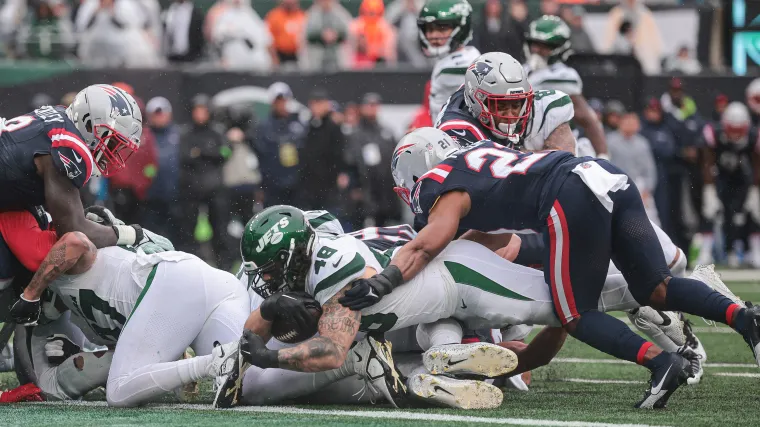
110, 121
736, 122
753, 95
416, 153
497, 92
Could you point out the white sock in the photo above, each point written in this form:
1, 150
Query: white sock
271, 386
440, 332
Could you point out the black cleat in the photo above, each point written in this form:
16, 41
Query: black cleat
666, 380
752, 334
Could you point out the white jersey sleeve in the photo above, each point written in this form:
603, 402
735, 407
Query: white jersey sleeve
556, 76
324, 223
448, 76
336, 264
551, 108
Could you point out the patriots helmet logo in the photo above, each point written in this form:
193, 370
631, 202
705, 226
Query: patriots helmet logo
119, 104
481, 70
72, 170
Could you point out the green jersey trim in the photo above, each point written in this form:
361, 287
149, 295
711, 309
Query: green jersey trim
470, 277
559, 102
383, 258
148, 282
325, 217
457, 71
356, 265
558, 81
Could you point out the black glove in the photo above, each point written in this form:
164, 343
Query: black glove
290, 305
367, 292
102, 216
25, 312
59, 348
254, 351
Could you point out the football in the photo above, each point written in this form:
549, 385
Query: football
287, 331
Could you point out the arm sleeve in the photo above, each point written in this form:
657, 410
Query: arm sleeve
70, 155
27, 241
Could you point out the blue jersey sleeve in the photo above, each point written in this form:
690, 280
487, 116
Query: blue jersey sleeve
70, 154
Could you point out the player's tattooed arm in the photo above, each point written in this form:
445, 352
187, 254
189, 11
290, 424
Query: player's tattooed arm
587, 119
442, 226
561, 138
74, 253
63, 202
337, 328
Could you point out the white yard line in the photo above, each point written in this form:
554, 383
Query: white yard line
380, 414
738, 374
625, 362
589, 381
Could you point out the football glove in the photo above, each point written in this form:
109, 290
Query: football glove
292, 306
367, 292
141, 238
752, 203
102, 216
25, 312
254, 351
24, 393
711, 204
59, 348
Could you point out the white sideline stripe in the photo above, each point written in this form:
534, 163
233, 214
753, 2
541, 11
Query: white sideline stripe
588, 381
382, 414
738, 374
625, 362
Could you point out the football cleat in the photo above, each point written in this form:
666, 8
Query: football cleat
695, 361
481, 358
228, 367
691, 339
455, 393
665, 380
663, 327
707, 275
516, 382
372, 361
752, 334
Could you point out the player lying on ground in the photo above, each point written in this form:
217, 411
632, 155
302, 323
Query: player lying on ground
588, 211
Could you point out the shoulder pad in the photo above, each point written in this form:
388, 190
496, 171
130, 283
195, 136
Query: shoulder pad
462, 131
337, 263
71, 156
551, 109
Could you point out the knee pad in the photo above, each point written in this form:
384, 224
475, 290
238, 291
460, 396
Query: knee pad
83, 372
441, 332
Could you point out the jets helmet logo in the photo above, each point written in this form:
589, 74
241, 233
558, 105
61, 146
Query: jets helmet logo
273, 235
481, 70
72, 170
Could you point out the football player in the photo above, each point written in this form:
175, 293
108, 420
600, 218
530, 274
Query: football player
597, 215
547, 47
445, 28
731, 171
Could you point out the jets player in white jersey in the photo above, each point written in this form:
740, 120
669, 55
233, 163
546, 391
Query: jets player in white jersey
547, 46
151, 307
445, 28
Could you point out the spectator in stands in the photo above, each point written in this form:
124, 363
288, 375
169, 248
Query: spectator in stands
402, 14
682, 62
662, 142
68, 98
46, 31
549, 7
239, 37
752, 94
631, 152
327, 25
278, 142
373, 39
719, 106
422, 115
350, 118
613, 112
371, 150
518, 10
322, 162
497, 31
241, 178
183, 35
631, 28
597, 105
579, 38
163, 194
285, 23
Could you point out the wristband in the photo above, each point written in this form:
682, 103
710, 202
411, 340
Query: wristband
604, 156
272, 359
394, 276
125, 235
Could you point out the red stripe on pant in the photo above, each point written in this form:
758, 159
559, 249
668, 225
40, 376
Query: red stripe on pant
642, 352
564, 282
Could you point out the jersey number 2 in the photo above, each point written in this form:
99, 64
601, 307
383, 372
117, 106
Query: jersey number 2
504, 164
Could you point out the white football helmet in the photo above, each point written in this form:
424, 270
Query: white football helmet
753, 95
110, 121
416, 153
736, 122
492, 84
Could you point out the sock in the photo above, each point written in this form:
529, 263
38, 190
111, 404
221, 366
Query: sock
608, 334
694, 297
440, 332
658, 361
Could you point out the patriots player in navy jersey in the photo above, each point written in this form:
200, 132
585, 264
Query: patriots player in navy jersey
490, 188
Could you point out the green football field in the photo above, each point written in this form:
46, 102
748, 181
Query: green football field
582, 387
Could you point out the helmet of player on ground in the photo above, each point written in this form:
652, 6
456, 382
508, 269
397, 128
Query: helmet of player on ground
444, 26
110, 122
276, 247
736, 122
547, 41
497, 93
416, 153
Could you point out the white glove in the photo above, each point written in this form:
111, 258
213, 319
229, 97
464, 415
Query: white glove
59, 347
711, 204
102, 216
154, 243
752, 203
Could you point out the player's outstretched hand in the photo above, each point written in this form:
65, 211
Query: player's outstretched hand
367, 292
23, 393
26, 312
293, 306
59, 348
254, 351
102, 216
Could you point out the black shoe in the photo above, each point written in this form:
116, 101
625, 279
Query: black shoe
752, 334
665, 381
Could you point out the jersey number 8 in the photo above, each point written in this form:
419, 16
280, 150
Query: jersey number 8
504, 164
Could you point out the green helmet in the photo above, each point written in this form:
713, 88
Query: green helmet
276, 247
552, 32
455, 13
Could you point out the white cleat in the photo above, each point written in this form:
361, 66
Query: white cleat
665, 328
707, 275
516, 382
454, 393
372, 360
692, 341
228, 367
481, 358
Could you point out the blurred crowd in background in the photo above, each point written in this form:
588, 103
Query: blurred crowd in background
323, 36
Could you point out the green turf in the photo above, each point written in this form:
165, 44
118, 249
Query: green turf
716, 401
